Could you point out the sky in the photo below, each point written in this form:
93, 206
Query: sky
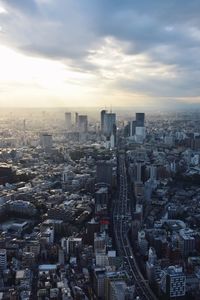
99, 53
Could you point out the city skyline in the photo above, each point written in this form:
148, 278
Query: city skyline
75, 53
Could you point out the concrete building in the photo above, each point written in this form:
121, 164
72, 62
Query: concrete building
103, 112
68, 120
187, 242
101, 200
3, 259
72, 244
101, 259
173, 282
153, 172
142, 243
118, 290
99, 283
46, 141
138, 131
140, 119
83, 123
132, 128
153, 269
99, 242
109, 123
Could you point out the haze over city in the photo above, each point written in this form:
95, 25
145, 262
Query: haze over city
97, 53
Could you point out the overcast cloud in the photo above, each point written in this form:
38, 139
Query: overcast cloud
141, 47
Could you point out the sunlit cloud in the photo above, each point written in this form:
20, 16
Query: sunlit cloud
3, 10
97, 52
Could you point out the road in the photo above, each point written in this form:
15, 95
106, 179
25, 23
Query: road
121, 219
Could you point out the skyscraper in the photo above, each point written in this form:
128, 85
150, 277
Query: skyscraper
140, 117
46, 141
99, 282
68, 120
140, 132
83, 123
132, 127
109, 122
103, 112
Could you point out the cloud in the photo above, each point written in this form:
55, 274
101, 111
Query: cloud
165, 33
22, 6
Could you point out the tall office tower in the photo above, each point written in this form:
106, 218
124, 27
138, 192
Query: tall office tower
109, 122
99, 282
153, 172
140, 117
152, 266
46, 141
3, 259
115, 134
142, 243
140, 132
83, 123
127, 130
118, 289
173, 283
133, 128
187, 242
68, 120
139, 172
103, 112
76, 119
113, 138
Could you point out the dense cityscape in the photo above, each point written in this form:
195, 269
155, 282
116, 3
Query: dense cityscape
99, 150
99, 206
